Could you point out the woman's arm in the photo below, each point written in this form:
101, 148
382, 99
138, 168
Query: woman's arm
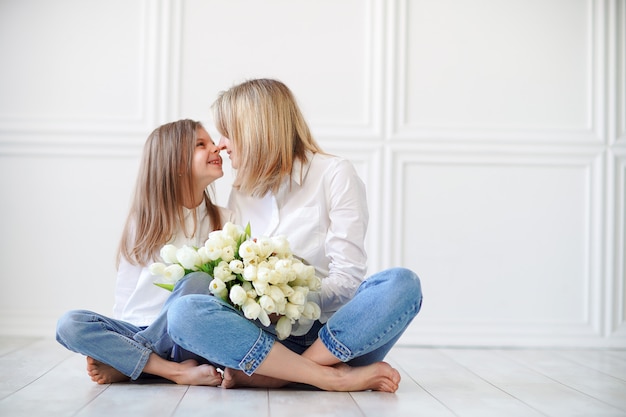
345, 239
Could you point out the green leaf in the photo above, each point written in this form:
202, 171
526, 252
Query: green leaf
169, 287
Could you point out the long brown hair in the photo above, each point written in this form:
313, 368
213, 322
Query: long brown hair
164, 181
264, 123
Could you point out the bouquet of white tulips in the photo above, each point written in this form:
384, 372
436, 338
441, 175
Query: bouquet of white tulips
258, 276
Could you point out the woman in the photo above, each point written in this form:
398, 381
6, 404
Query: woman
285, 184
171, 205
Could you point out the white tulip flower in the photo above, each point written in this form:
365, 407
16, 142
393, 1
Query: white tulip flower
263, 274
222, 271
264, 247
233, 230
213, 250
157, 268
188, 258
203, 252
228, 253
281, 246
293, 311
249, 273
236, 266
217, 286
299, 295
311, 311
287, 290
238, 295
168, 254
251, 309
276, 293
260, 287
247, 250
267, 304
314, 283
283, 328
173, 273
264, 318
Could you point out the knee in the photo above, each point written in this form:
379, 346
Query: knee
194, 283
409, 279
407, 283
69, 325
177, 312
185, 311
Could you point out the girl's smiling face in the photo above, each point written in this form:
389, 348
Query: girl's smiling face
206, 166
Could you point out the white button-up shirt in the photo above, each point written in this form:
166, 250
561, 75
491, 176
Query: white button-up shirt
137, 299
324, 215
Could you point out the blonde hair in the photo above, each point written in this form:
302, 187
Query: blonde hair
266, 127
164, 181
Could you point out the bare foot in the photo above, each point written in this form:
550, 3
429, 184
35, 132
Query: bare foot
234, 378
102, 373
379, 376
190, 373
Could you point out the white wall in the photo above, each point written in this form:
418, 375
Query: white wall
491, 136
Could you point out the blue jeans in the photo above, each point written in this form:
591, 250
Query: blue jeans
122, 345
359, 333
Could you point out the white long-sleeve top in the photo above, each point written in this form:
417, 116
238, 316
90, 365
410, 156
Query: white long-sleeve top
137, 299
324, 216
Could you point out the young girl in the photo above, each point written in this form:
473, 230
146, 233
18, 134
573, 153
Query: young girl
286, 185
171, 205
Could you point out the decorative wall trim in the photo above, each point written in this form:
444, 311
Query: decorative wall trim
55, 146
589, 159
73, 125
372, 128
616, 238
505, 335
618, 59
28, 323
594, 131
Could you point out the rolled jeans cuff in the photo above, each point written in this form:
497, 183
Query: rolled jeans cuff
257, 354
145, 355
334, 346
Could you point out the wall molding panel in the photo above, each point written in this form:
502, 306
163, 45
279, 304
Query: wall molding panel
423, 124
584, 327
347, 62
112, 113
